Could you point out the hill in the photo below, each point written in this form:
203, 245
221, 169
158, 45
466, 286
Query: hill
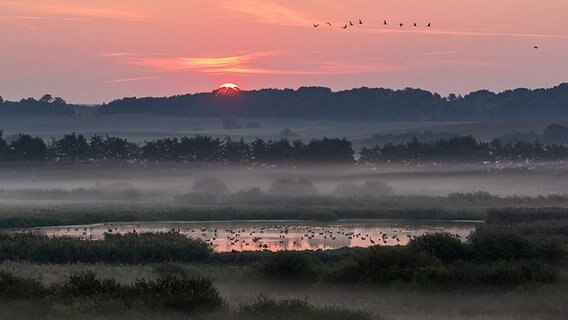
318, 103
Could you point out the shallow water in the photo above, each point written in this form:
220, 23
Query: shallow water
278, 236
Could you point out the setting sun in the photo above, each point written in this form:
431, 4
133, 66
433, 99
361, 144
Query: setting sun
228, 88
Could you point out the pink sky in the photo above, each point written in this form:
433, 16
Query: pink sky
91, 51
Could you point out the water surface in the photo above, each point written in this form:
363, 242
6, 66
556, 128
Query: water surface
277, 236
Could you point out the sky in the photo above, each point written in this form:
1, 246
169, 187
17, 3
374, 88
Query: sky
94, 51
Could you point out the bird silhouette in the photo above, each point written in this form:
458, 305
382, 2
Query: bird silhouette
329, 24
415, 24
360, 22
344, 27
350, 23
316, 25
429, 25
385, 22
536, 47
401, 24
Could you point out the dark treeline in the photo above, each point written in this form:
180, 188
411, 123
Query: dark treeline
552, 134
463, 149
45, 106
321, 103
76, 147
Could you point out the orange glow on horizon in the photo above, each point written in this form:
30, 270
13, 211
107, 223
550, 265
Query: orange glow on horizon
93, 51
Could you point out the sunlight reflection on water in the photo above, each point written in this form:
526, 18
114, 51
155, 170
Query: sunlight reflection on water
278, 236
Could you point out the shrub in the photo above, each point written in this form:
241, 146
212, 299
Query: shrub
115, 248
506, 273
187, 294
265, 308
384, 265
86, 284
444, 246
14, 288
493, 245
289, 265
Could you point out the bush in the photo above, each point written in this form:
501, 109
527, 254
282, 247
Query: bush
506, 273
86, 284
493, 245
289, 265
265, 308
115, 248
444, 246
14, 288
187, 294
384, 265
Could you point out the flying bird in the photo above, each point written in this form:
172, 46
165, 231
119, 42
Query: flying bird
351, 23
316, 25
401, 25
385, 22
536, 47
328, 23
344, 27
429, 25
360, 22
415, 24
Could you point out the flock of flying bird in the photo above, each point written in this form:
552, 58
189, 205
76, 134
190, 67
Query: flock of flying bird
385, 23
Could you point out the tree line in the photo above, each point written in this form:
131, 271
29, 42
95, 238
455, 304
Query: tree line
76, 147
463, 148
379, 104
202, 149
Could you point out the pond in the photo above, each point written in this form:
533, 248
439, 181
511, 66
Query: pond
230, 236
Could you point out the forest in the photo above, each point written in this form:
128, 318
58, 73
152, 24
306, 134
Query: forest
378, 104
205, 149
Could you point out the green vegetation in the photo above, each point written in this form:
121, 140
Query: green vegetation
64, 215
266, 308
491, 256
115, 248
172, 294
76, 148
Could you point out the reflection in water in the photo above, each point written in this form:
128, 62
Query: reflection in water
277, 236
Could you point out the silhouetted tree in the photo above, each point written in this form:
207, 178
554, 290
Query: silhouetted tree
556, 133
28, 148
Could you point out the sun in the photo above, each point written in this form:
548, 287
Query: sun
228, 88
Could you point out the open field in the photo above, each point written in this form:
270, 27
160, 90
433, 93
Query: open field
138, 127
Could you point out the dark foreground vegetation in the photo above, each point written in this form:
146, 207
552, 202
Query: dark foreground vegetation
86, 293
321, 103
204, 149
509, 256
516, 251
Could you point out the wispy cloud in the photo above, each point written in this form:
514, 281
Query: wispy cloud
241, 63
456, 33
257, 63
269, 12
74, 10
132, 79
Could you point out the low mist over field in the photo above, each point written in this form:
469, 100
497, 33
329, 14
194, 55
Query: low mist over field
165, 182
